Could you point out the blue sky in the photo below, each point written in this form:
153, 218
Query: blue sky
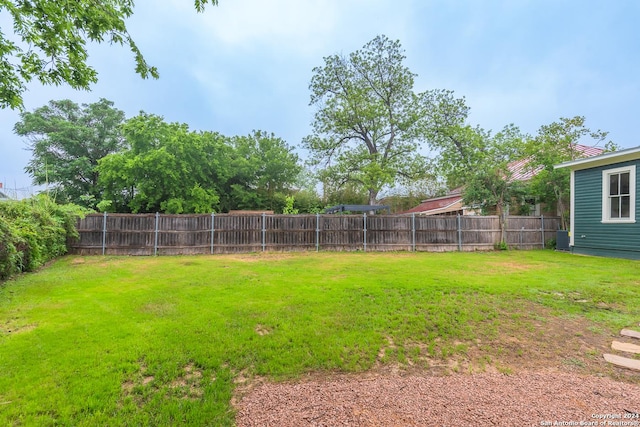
247, 64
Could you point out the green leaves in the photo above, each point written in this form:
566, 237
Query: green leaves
554, 144
67, 140
34, 231
264, 168
368, 126
167, 168
91, 157
55, 34
490, 182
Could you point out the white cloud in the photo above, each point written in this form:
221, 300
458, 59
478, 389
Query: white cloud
290, 24
309, 28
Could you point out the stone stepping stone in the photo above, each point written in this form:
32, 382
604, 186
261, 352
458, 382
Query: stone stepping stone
624, 362
630, 333
623, 346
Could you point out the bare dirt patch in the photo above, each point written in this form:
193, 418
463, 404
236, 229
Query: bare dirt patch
260, 257
160, 309
15, 326
535, 368
262, 330
509, 267
187, 385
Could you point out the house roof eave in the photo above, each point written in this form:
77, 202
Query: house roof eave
602, 159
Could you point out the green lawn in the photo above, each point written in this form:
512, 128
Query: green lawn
161, 341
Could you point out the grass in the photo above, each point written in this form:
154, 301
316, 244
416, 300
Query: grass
163, 341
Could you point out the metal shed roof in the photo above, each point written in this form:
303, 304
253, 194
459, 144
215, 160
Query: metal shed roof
357, 208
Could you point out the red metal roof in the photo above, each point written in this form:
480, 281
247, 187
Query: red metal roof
519, 172
436, 203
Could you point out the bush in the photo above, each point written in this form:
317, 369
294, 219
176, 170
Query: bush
34, 231
502, 246
9, 258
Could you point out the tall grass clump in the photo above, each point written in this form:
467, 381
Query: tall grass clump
34, 231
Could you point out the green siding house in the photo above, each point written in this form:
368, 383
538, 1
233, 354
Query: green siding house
604, 204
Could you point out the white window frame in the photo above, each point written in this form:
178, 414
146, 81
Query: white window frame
606, 208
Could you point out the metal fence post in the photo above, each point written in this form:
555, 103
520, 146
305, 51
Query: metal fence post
365, 231
459, 226
413, 231
213, 228
317, 232
104, 233
542, 228
264, 231
155, 245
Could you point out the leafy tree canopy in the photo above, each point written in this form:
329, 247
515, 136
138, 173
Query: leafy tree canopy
369, 122
49, 42
489, 181
167, 168
557, 143
264, 168
67, 140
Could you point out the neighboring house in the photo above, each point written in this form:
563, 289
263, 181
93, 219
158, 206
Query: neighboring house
604, 204
452, 204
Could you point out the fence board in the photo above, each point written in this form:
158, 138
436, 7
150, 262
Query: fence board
128, 234
528, 233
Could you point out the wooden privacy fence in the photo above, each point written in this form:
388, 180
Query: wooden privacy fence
155, 234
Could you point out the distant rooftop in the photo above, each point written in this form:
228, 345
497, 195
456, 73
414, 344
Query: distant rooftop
357, 208
521, 172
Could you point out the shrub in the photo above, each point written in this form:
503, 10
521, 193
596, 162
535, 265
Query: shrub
9, 258
502, 246
34, 231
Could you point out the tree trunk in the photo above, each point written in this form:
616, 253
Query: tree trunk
373, 196
561, 210
502, 212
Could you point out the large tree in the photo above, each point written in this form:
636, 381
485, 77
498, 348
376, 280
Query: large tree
166, 168
556, 143
369, 121
264, 169
49, 42
67, 140
489, 182
477, 160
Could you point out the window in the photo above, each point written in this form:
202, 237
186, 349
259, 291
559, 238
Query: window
619, 194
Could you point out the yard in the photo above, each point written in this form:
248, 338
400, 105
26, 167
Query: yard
176, 340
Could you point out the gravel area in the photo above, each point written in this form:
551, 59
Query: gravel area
487, 399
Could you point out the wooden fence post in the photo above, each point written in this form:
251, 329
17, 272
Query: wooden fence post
413, 231
213, 228
104, 233
459, 223
503, 225
155, 244
365, 231
542, 228
317, 232
264, 231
